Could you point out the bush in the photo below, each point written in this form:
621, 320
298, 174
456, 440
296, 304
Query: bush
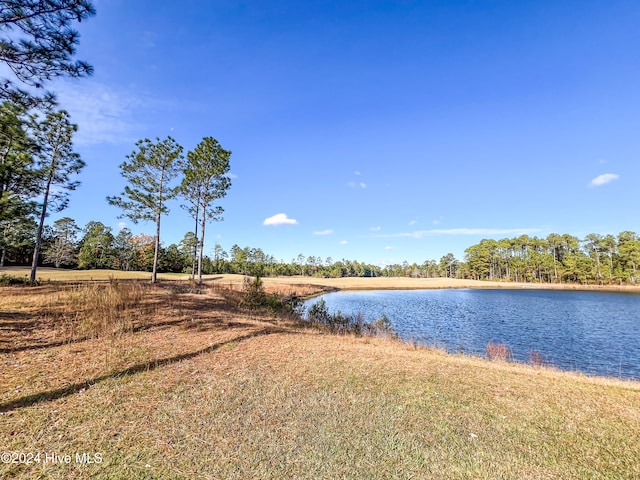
253, 294
254, 297
381, 328
536, 358
498, 351
340, 323
8, 280
319, 313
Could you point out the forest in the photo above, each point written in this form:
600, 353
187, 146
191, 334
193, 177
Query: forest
596, 259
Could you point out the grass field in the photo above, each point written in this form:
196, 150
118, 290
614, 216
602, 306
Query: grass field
347, 283
46, 274
166, 382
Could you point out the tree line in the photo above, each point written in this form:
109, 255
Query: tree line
596, 259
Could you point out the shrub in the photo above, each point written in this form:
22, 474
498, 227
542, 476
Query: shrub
319, 313
254, 297
498, 351
253, 294
536, 358
340, 323
9, 280
290, 305
381, 328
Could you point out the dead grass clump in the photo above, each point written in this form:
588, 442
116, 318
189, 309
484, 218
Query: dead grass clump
94, 310
498, 352
536, 359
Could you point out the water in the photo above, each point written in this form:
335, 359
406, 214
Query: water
596, 333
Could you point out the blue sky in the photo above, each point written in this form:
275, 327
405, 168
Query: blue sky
380, 131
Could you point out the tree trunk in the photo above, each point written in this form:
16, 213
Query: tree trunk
156, 254
202, 227
195, 246
154, 274
36, 252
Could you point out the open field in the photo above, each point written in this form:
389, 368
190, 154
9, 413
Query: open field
163, 382
62, 275
348, 283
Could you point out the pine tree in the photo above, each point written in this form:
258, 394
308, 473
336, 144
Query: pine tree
37, 43
205, 181
57, 163
150, 171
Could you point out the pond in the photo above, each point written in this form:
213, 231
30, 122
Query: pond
596, 333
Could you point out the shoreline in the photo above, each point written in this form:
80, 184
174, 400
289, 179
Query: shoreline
404, 283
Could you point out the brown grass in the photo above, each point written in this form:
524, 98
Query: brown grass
190, 387
536, 359
405, 283
498, 352
312, 283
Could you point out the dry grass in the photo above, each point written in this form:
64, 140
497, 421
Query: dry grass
498, 352
198, 390
405, 283
46, 274
312, 283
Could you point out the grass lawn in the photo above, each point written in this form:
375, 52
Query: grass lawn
162, 382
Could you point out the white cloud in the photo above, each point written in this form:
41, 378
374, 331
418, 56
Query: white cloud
122, 225
357, 173
279, 219
464, 231
388, 247
363, 185
343, 242
103, 114
412, 222
603, 179
232, 175
437, 221
375, 229
328, 231
354, 184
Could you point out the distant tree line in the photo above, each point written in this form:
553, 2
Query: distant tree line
594, 260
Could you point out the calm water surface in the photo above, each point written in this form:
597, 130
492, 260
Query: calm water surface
592, 332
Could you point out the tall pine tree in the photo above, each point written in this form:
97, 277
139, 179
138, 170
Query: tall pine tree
57, 163
150, 171
205, 181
